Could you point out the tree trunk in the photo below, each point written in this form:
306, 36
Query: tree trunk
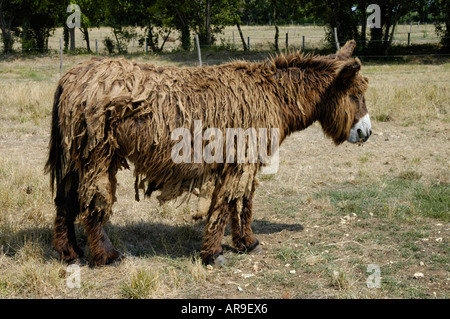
185, 31
40, 37
185, 37
389, 19
277, 31
391, 37
446, 40
244, 44
119, 45
165, 40
208, 23
150, 37
72, 39
363, 24
6, 34
66, 37
5, 25
85, 32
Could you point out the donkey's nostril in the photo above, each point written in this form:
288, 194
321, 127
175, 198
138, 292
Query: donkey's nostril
370, 132
360, 133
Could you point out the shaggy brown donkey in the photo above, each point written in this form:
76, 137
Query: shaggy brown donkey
110, 111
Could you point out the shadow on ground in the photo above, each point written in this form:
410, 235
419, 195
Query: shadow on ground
134, 239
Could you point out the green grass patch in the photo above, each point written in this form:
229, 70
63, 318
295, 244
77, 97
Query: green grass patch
400, 198
287, 206
433, 201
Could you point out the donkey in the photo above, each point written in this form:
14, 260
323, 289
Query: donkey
108, 112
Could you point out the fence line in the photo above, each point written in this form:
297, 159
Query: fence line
292, 40
299, 41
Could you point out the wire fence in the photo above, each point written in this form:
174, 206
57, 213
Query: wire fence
305, 36
256, 38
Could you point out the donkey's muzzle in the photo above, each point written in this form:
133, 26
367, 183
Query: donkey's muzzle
361, 131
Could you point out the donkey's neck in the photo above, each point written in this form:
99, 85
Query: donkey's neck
301, 83
300, 105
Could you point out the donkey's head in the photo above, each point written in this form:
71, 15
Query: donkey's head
347, 117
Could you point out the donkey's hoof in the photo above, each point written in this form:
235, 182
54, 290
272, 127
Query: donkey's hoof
218, 260
78, 261
115, 260
257, 250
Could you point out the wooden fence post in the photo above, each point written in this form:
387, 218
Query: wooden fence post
198, 50
336, 39
287, 42
61, 57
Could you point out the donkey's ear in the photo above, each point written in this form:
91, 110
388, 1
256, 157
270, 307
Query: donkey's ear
348, 71
347, 50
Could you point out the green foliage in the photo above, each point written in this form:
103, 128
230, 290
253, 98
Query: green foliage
33, 21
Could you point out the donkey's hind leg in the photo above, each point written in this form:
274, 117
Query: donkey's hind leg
98, 212
67, 209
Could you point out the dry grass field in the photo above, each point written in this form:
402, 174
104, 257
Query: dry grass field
328, 214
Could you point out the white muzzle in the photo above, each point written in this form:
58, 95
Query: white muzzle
361, 131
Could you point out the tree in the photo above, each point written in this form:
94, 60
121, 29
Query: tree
180, 13
440, 11
90, 17
391, 12
7, 25
122, 17
341, 15
152, 16
273, 5
211, 17
38, 19
236, 11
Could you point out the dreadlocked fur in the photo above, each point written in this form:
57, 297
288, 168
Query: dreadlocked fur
110, 111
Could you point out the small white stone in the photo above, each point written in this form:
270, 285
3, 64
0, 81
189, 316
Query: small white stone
418, 275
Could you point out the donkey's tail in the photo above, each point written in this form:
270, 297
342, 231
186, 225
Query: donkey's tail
56, 161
